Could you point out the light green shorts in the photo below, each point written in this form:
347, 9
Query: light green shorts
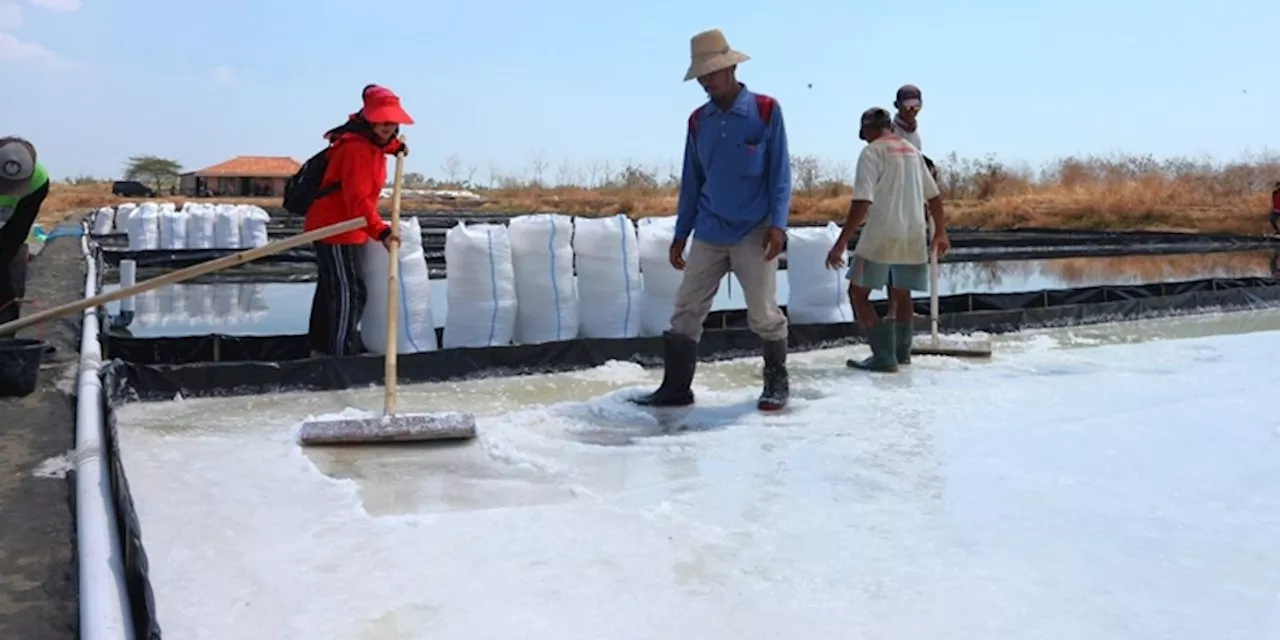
877, 275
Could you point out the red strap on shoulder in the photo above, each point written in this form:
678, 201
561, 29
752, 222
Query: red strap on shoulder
764, 104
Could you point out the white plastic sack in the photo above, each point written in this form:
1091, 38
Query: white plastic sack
609, 286
661, 281
171, 303
225, 296
252, 302
199, 226
415, 326
104, 221
253, 226
818, 295
226, 227
542, 259
144, 227
481, 290
123, 211
173, 227
199, 298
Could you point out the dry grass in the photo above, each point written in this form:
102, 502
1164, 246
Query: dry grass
1116, 193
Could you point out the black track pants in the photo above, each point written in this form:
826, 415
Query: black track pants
339, 300
13, 253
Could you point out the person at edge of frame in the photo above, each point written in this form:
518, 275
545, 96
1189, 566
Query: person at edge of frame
891, 187
356, 160
735, 197
1275, 208
24, 185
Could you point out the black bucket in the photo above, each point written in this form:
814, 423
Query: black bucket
20, 366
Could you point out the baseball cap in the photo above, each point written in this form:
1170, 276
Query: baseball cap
909, 96
17, 164
876, 117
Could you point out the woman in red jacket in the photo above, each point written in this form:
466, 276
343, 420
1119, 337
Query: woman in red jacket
358, 165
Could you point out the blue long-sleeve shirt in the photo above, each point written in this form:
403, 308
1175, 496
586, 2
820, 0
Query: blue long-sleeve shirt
737, 172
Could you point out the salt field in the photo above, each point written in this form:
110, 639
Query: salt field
281, 308
1109, 481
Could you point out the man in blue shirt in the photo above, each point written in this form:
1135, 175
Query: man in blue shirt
735, 194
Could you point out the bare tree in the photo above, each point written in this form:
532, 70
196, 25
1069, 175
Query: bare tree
452, 167
538, 165
566, 174
594, 167
471, 174
495, 174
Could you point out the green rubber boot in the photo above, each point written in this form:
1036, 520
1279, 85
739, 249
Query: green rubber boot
884, 356
903, 335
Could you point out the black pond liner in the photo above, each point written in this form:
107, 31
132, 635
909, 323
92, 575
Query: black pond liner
968, 246
162, 368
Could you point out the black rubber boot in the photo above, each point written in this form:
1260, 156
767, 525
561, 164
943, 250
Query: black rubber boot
680, 360
777, 385
902, 337
883, 343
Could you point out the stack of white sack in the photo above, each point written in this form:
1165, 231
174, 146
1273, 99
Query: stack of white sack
143, 228
200, 219
542, 260
661, 281
609, 285
226, 227
173, 227
253, 226
481, 287
818, 294
415, 326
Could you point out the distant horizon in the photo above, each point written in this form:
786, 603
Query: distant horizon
1246, 157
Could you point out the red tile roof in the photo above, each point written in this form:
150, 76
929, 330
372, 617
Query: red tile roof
252, 167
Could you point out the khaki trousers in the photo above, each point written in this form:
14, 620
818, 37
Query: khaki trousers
707, 265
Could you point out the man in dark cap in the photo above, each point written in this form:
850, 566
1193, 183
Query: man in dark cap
891, 189
905, 124
24, 183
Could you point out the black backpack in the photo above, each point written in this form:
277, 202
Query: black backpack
303, 189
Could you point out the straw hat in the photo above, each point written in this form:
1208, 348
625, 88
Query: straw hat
17, 164
709, 52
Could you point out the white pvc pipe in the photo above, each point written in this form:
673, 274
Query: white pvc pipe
104, 600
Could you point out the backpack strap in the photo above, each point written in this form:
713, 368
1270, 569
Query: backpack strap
764, 104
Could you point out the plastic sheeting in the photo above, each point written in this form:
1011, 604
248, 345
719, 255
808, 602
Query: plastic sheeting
609, 285
481, 294
542, 251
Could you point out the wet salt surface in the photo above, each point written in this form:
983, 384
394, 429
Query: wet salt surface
282, 308
1117, 481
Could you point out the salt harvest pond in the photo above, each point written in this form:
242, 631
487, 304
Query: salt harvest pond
1103, 481
1115, 481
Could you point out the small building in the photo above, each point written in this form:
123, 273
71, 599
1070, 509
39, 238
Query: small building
242, 177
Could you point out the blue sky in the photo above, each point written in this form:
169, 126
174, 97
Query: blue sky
92, 82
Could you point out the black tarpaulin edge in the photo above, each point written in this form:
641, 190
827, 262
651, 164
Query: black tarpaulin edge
435, 256
157, 381
137, 576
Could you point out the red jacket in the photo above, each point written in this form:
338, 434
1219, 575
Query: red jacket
361, 166
1275, 200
